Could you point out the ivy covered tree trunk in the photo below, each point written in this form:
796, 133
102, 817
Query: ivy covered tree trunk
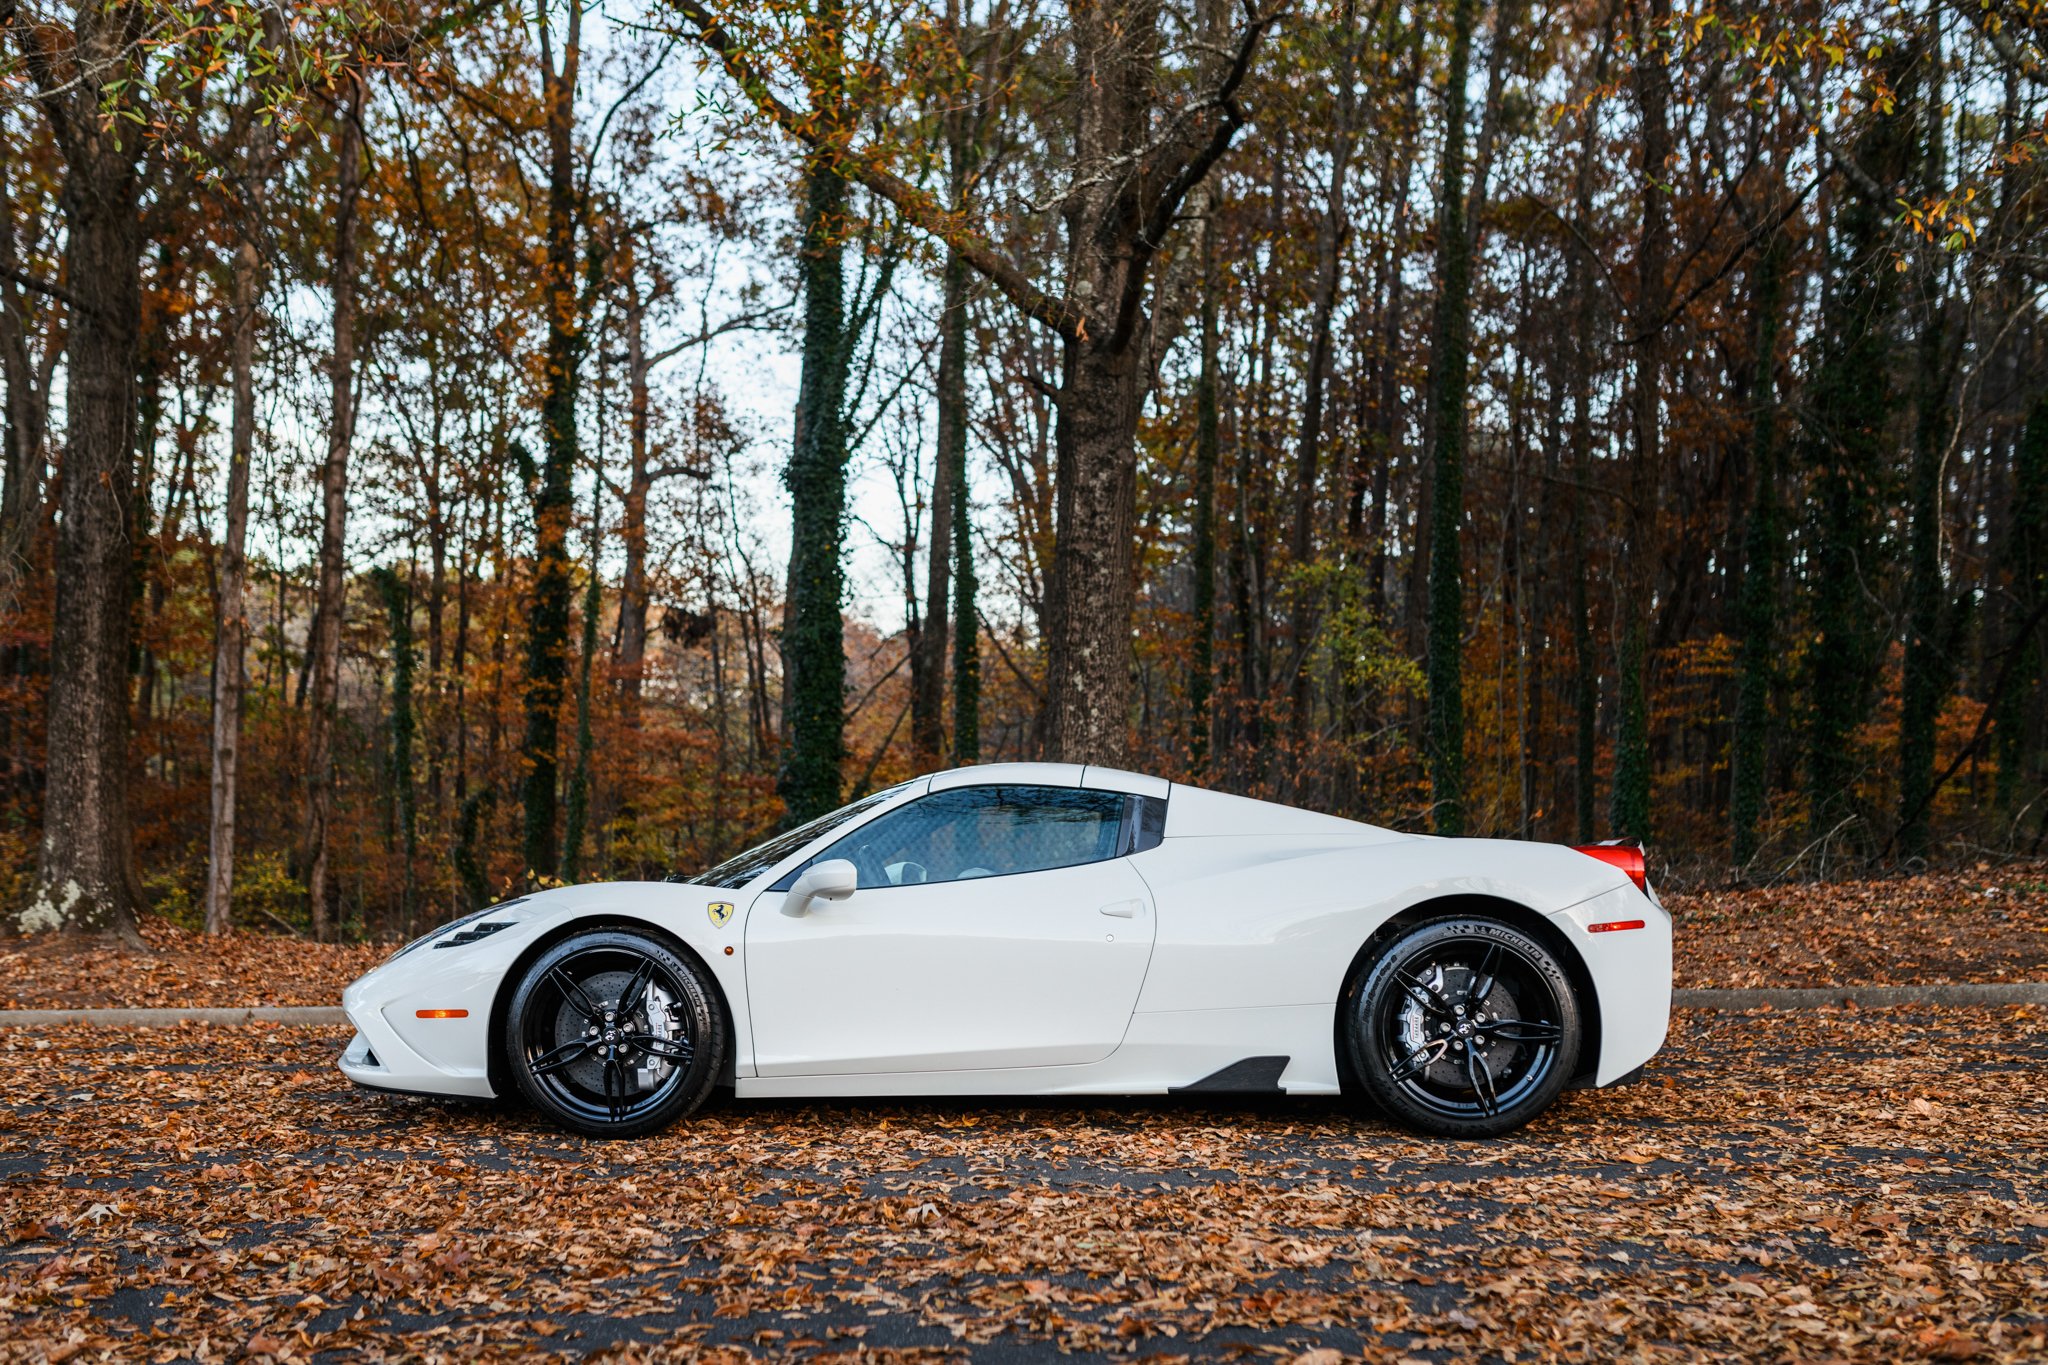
1134, 163
553, 497
1637, 586
85, 880
1844, 445
1756, 608
1585, 319
2019, 720
813, 634
1452, 357
1929, 667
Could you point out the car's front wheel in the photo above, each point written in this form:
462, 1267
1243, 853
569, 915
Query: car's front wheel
1464, 1027
613, 1033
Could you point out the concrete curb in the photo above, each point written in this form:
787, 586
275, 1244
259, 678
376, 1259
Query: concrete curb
158, 1018
1866, 997
1817, 997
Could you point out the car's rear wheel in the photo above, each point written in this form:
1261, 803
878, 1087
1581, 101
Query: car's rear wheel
1464, 1027
613, 1033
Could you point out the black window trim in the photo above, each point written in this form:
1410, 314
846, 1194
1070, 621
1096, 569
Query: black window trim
1132, 836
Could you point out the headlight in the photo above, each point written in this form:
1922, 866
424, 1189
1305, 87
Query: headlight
453, 924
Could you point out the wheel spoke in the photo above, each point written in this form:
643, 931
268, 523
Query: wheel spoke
677, 1050
1416, 1061
573, 993
1424, 994
1482, 1082
636, 989
1487, 971
554, 1059
1523, 1031
614, 1088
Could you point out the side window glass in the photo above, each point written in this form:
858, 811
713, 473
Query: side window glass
972, 832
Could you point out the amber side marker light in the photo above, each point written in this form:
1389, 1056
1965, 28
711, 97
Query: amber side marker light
444, 1014
1614, 924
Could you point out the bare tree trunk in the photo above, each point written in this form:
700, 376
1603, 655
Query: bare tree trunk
632, 652
1330, 233
330, 603
929, 686
26, 419
1208, 448
231, 626
231, 629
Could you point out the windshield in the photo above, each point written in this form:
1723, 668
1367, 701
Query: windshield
737, 871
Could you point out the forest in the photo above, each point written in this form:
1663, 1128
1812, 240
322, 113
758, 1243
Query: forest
453, 447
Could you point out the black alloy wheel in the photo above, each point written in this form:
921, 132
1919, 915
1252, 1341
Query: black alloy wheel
613, 1033
1464, 1028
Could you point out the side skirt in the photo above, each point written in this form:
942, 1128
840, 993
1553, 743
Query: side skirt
1249, 1076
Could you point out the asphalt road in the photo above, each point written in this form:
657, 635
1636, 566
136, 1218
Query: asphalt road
1867, 1184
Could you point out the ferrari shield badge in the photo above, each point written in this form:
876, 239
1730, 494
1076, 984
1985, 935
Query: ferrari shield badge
720, 912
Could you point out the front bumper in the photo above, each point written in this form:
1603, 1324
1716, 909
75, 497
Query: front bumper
396, 1048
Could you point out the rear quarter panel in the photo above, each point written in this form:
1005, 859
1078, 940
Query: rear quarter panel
1266, 921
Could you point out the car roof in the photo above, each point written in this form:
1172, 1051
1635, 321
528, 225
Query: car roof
1051, 775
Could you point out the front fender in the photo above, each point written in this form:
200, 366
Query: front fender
450, 1053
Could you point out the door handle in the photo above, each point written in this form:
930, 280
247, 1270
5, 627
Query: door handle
1122, 910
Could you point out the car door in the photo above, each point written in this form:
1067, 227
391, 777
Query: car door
993, 926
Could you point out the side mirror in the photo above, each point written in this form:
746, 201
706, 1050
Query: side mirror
832, 880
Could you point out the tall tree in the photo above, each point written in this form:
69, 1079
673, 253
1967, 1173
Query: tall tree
1843, 440
231, 623
1928, 669
547, 636
928, 663
2024, 635
1202, 657
1636, 585
331, 597
1332, 228
1127, 186
85, 876
31, 343
397, 594
966, 624
1450, 359
813, 632
1756, 608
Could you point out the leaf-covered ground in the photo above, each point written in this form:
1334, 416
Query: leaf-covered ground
1983, 925
180, 969
1821, 1185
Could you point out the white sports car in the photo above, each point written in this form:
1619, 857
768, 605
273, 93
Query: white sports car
1047, 929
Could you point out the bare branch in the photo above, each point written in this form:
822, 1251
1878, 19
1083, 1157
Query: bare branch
917, 207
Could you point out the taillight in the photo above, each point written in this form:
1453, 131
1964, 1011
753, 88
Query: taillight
1624, 854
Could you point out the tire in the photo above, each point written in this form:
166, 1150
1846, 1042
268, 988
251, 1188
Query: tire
1463, 1028
606, 1071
